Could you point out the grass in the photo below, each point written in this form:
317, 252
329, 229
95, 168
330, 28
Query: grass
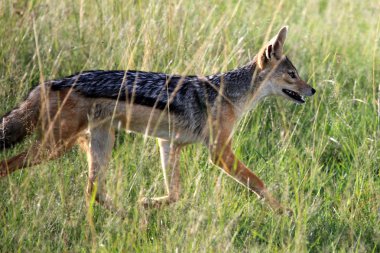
321, 159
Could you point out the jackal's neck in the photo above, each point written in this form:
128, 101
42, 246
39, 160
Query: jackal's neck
239, 84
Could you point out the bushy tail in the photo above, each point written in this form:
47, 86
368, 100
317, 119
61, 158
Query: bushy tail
21, 121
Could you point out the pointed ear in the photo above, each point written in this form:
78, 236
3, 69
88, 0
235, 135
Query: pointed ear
273, 49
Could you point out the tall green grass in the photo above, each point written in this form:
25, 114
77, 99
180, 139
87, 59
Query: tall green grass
321, 159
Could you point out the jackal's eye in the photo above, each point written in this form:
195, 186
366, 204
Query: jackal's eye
292, 74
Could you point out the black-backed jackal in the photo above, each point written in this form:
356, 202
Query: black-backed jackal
85, 108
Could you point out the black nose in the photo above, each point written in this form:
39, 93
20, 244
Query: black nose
313, 91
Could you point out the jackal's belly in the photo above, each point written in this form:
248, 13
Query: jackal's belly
143, 119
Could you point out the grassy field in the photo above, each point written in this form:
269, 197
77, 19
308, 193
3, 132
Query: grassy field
321, 159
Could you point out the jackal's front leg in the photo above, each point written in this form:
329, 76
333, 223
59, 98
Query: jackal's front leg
170, 155
223, 156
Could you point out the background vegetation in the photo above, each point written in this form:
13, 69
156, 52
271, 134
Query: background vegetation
321, 159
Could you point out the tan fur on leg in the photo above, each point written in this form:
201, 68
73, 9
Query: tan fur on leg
223, 156
98, 147
170, 156
39, 152
220, 147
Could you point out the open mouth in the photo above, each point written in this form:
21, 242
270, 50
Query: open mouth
294, 95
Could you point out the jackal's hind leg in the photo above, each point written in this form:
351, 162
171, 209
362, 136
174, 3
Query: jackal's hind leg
57, 134
170, 156
98, 146
35, 155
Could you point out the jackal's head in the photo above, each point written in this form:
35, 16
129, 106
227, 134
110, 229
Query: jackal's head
278, 74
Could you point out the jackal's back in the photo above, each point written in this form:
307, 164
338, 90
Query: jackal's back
157, 90
185, 96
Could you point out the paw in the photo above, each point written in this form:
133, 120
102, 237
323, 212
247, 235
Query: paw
144, 202
285, 211
149, 203
154, 202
